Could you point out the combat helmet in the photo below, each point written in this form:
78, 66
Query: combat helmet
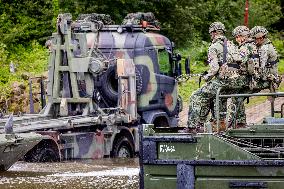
258, 31
217, 26
240, 30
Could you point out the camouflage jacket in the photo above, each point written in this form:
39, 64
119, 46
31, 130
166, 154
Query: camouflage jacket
268, 61
218, 67
250, 59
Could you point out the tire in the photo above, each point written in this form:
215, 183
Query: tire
123, 148
109, 87
42, 153
179, 103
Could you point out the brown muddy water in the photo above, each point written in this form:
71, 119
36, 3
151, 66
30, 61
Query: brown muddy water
100, 174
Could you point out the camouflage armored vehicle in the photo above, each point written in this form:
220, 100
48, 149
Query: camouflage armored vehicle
236, 158
103, 81
14, 146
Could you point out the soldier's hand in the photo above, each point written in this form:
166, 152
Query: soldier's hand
206, 77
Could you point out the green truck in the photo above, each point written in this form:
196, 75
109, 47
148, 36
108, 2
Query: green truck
249, 157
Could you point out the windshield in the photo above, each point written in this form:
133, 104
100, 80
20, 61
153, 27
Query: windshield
164, 62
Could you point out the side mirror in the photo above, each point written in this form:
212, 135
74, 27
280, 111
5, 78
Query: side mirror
187, 66
178, 57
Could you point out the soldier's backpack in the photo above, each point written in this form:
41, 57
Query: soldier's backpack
230, 65
252, 63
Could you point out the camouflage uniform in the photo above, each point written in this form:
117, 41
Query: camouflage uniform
249, 68
268, 60
259, 63
221, 74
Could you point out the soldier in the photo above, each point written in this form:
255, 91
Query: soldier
223, 59
249, 67
269, 78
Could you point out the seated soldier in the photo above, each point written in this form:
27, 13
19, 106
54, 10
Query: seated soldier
249, 68
268, 60
223, 59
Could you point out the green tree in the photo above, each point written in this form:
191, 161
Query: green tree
25, 20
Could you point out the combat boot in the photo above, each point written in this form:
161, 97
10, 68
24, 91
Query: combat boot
222, 126
241, 125
191, 130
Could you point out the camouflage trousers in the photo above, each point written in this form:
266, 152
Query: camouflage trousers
240, 116
203, 99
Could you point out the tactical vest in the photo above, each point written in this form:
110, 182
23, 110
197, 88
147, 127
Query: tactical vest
229, 66
251, 65
269, 69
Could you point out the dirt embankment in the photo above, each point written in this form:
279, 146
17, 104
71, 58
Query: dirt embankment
17, 100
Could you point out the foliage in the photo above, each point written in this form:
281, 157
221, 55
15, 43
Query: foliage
25, 25
183, 21
3, 54
277, 41
186, 89
32, 59
23, 21
197, 53
29, 61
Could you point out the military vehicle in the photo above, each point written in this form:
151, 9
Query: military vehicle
251, 157
14, 146
103, 81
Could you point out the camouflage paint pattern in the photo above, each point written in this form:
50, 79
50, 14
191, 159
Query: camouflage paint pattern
78, 120
158, 91
87, 145
14, 146
127, 82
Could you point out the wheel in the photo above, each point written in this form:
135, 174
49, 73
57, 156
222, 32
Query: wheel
123, 148
42, 153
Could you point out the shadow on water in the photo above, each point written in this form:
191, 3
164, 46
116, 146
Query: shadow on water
100, 174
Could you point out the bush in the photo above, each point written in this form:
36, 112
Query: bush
29, 61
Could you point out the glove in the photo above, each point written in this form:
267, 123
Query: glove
206, 77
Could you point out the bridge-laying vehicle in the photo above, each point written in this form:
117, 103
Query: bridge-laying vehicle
251, 157
103, 81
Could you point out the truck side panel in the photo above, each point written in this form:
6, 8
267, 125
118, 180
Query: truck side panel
186, 161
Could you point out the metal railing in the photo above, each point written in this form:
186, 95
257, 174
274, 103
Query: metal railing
273, 95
